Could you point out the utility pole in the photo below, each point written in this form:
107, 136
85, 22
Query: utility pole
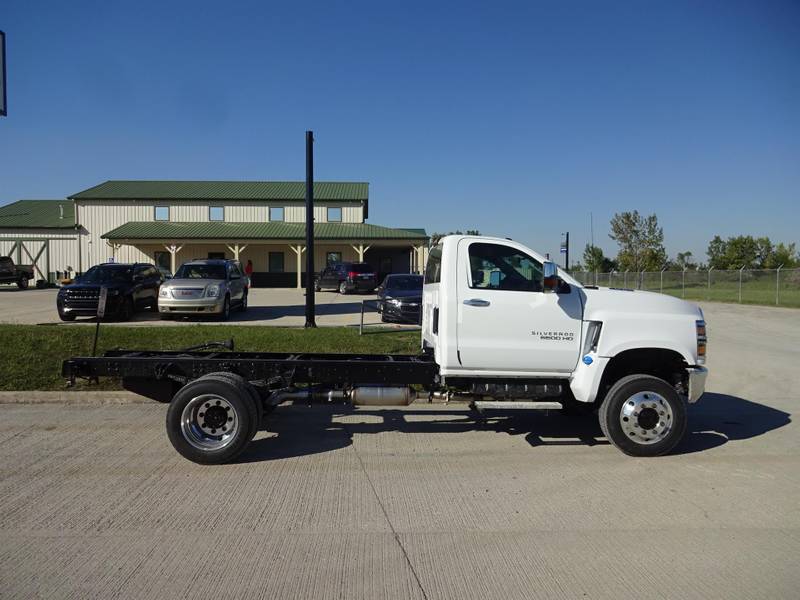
310, 307
565, 250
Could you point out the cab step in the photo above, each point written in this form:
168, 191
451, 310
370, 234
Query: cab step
481, 405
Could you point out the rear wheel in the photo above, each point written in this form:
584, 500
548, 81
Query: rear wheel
342, 288
210, 420
22, 284
244, 387
126, 310
643, 415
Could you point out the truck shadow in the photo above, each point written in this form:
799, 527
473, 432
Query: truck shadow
299, 430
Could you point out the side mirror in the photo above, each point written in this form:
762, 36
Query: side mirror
550, 273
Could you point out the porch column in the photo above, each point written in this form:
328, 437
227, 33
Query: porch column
114, 247
236, 249
360, 250
173, 250
298, 250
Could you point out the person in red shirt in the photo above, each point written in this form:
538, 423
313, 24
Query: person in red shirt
248, 270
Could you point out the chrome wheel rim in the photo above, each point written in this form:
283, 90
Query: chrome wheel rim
646, 418
209, 422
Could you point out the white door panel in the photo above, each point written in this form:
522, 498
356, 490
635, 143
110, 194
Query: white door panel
514, 329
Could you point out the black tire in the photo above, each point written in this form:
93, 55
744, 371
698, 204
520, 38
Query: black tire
243, 303
65, 317
239, 402
666, 407
22, 284
126, 310
226, 309
245, 387
165, 316
343, 288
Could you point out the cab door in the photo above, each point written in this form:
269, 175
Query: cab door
506, 321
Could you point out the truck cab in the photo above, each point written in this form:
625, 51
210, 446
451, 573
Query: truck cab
498, 317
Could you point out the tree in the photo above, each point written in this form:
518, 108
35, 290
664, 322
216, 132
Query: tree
749, 252
594, 260
683, 261
641, 242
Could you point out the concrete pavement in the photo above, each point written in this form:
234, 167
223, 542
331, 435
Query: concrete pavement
418, 502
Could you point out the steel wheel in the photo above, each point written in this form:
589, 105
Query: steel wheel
209, 422
646, 417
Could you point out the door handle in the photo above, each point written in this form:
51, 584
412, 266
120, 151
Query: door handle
476, 302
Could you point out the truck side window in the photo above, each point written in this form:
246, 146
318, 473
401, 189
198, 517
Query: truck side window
498, 267
433, 270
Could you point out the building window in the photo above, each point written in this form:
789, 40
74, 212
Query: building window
334, 214
161, 213
276, 262
216, 213
333, 257
276, 213
162, 259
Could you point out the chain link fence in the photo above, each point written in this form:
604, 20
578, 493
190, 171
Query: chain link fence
779, 287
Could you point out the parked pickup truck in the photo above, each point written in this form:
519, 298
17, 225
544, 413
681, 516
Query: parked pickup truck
11, 273
502, 327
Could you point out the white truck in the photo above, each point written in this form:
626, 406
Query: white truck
501, 327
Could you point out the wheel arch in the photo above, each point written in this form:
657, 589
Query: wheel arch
665, 363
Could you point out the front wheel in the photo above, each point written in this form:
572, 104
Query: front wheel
243, 304
226, 309
643, 415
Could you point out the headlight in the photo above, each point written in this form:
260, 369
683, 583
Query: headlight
212, 291
395, 302
163, 292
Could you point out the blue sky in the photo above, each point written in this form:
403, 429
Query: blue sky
518, 119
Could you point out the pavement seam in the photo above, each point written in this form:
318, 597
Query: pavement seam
386, 516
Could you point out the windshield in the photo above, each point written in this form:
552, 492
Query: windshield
107, 274
201, 272
404, 282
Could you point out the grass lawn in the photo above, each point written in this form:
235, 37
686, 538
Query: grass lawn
31, 355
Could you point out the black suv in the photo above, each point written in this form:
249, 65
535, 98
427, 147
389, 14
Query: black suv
347, 277
130, 287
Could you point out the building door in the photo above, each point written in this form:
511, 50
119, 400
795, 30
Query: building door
275, 262
162, 259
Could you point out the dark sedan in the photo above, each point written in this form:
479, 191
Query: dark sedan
400, 299
130, 287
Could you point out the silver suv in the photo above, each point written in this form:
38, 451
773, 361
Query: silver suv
204, 287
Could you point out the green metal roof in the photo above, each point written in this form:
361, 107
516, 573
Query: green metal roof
138, 230
38, 214
225, 190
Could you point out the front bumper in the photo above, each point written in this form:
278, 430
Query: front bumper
409, 313
697, 383
191, 306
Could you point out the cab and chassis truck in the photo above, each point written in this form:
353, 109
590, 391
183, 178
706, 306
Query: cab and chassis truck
502, 327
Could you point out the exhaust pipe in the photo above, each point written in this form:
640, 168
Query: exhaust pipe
369, 395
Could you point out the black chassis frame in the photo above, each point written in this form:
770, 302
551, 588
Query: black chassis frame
159, 374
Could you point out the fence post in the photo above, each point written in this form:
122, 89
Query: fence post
708, 293
740, 284
778, 285
683, 283
641, 282
625, 282
662, 280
